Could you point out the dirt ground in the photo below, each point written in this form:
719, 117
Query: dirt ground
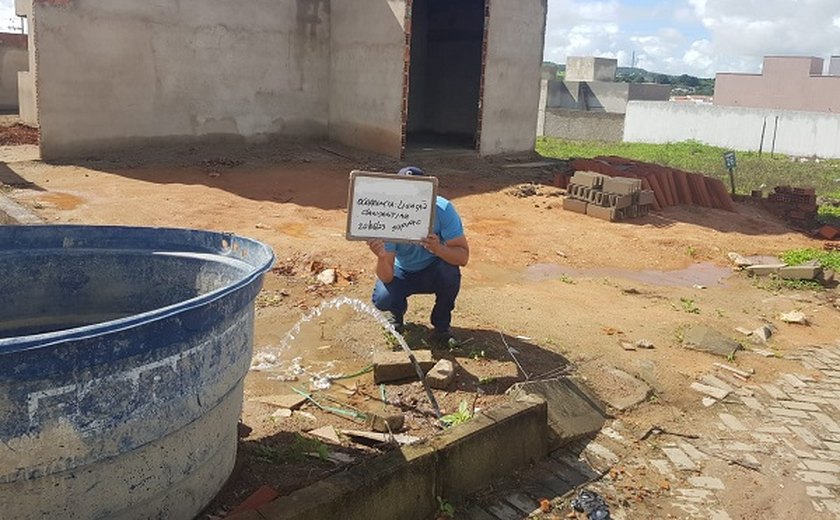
561, 288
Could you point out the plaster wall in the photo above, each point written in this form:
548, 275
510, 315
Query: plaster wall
367, 68
13, 59
515, 38
121, 72
584, 126
787, 132
600, 96
786, 83
590, 68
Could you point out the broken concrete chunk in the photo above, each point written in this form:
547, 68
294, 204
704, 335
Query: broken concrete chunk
645, 344
327, 276
633, 390
441, 375
386, 423
765, 269
395, 366
327, 433
739, 260
708, 401
711, 391
281, 413
708, 340
290, 401
626, 345
762, 334
796, 317
800, 272
743, 330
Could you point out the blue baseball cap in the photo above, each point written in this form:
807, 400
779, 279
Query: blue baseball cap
411, 170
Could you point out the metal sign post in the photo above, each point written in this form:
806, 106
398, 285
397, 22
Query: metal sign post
729, 159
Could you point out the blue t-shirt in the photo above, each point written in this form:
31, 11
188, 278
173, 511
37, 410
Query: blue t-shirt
412, 258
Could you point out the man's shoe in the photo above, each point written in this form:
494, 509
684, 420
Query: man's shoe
396, 322
445, 338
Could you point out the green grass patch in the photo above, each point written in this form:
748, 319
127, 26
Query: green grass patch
829, 259
752, 172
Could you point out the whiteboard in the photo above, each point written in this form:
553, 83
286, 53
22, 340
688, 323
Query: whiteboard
390, 207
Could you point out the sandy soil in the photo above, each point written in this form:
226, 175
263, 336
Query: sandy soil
561, 288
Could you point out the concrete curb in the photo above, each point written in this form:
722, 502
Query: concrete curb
404, 483
13, 213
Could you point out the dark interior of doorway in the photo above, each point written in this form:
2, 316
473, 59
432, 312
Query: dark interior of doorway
445, 74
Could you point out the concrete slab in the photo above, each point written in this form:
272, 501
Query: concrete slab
709, 340
404, 483
13, 213
395, 366
572, 411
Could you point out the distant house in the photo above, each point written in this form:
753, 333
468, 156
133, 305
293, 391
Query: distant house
13, 59
377, 75
786, 83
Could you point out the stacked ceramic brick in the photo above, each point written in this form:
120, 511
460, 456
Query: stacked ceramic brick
671, 187
607, 198
796, 205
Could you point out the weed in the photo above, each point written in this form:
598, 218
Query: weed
487, 380
653, 399
776, 284
463, 415
691, 251
829, 259
688, 306
679, 333
445, 509
477, 354
289, 453
567, 279
720, 313
753, 170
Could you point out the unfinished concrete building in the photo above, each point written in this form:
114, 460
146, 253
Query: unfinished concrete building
785, 83
381, 75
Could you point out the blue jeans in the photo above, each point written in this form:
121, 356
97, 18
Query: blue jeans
440, 278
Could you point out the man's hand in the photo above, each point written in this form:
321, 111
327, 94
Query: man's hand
432, 244
378, 247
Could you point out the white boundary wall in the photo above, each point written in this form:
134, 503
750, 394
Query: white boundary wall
785, 131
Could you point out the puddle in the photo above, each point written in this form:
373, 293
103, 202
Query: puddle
697, 274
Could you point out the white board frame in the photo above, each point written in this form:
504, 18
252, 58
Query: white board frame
427, 217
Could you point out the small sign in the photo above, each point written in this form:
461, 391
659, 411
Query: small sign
396, 208
729, 158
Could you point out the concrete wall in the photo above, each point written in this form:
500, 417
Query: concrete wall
121, 72
515, 38
786, 83
834, 66
600, 96
367, 74
583, 126
795, 133
590, 68
27, 94
14, 58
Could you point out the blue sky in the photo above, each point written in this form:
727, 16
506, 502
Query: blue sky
698, 37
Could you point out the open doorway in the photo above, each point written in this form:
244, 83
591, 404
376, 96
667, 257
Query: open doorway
445, 74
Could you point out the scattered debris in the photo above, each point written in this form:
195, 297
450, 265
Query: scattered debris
795, 317
257, 499
396, 366
592, 504
644, 344
386, 423
740, 261
281, 413
290, 401
711, 391
524, 190
765, 269
341, 458
327, 277
633, 390
260, 225
734, 370
708, 401
798, 206
765, 353
18, 134
626, 345
658, 430
327, 433
743, 330
441, 375
400, 439
708, 340
828, 232
762, 334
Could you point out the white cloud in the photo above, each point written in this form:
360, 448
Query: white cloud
699, 37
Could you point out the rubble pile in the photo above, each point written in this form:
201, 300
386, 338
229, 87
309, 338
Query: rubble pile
607, 198
797, 206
